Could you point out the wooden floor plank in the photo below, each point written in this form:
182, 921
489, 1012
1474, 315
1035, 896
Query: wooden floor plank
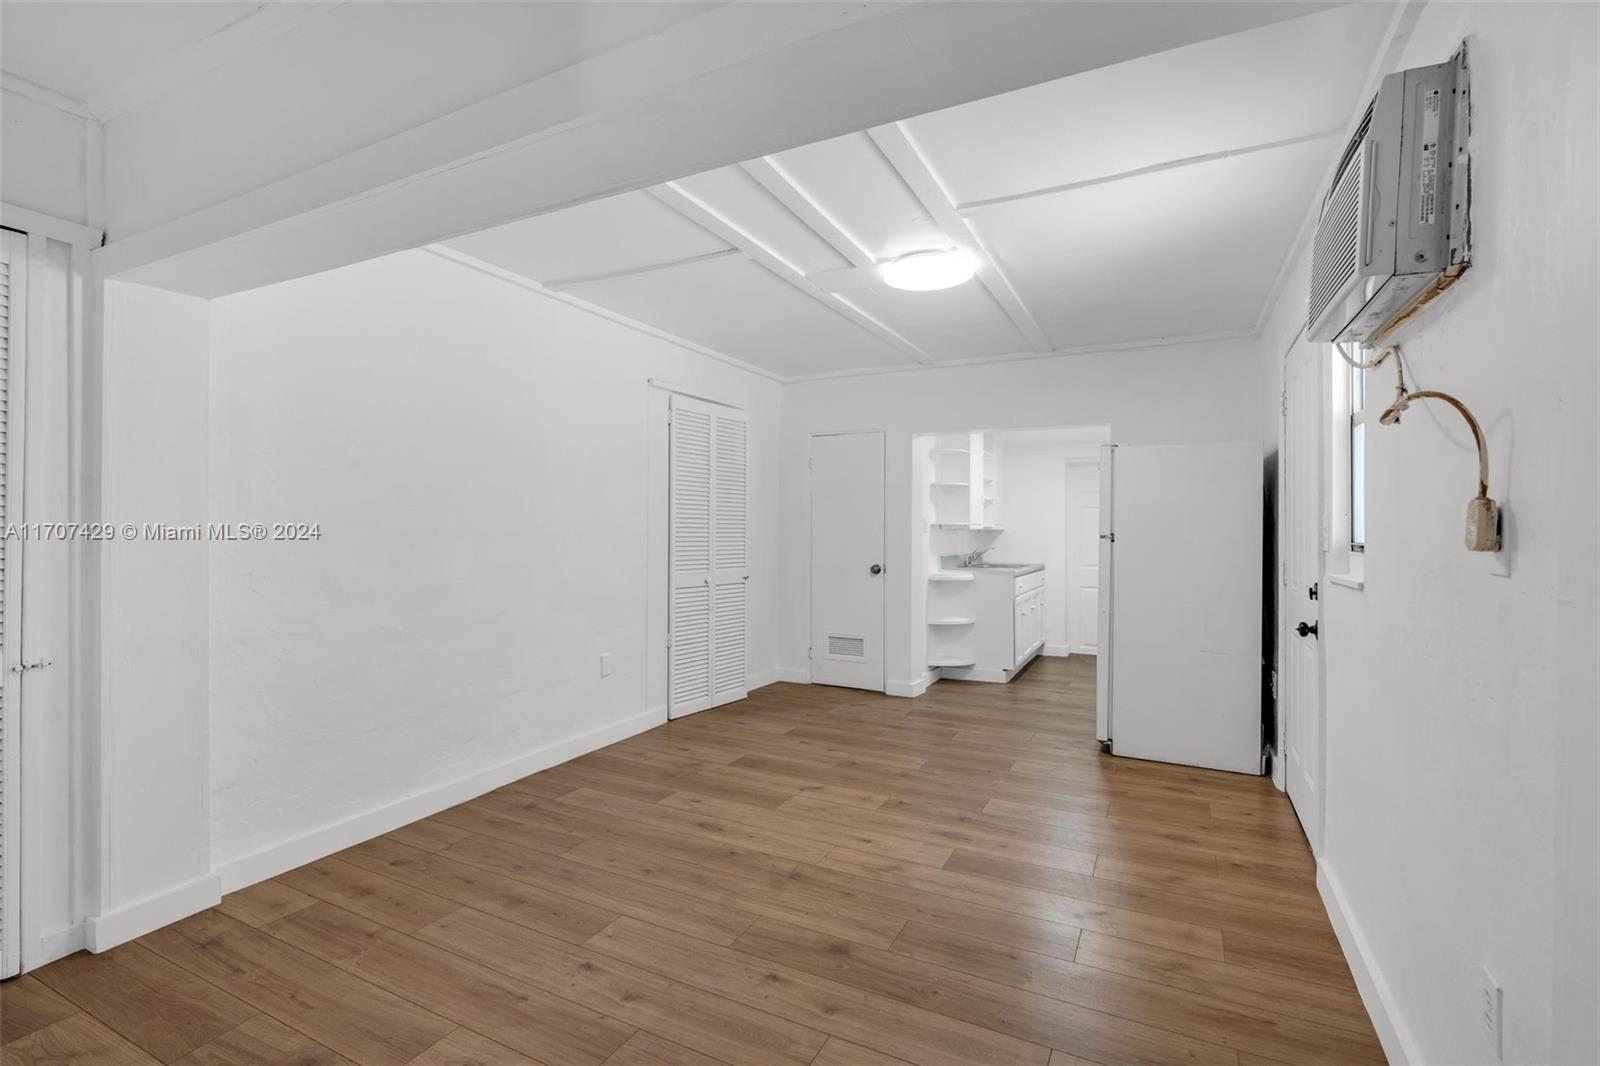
75, 1039
713, 1025
354, 1018
879, 1022
548, 1028
161, 1007
977, 1000
28, 1005
264, 1041
812, 876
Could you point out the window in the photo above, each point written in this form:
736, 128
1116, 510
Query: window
1358, 450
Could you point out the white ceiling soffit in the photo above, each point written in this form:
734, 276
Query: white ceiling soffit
1143, 203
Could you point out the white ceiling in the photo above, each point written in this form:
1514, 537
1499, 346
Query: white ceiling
1151, 200
80, 50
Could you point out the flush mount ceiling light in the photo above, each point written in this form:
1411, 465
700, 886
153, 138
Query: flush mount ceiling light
928, 271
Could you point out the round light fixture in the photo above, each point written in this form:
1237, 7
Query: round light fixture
928, 271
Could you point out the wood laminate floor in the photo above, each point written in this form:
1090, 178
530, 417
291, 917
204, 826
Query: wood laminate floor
812, 876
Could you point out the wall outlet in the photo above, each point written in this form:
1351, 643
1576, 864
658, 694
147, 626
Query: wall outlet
1493, 1014
605, 664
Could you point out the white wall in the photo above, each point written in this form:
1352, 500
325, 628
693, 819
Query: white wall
43, 166
154, 789
1461, 753
1207, 391
476, 456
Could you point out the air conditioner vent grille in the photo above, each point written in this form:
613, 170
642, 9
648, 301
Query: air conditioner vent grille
1334, 256
846, 647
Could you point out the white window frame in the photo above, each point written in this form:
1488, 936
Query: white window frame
1346, 556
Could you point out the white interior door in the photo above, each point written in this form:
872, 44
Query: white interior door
708, 556
13, 311
1305, 410
1186, 624
1083, 557
1105, 650
847, 550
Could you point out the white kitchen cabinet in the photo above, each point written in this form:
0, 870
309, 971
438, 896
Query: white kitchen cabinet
1008, 623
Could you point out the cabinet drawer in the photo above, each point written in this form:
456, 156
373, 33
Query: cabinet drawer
1028, 582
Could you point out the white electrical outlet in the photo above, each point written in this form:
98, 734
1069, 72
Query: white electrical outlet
605, 664
1493, 1014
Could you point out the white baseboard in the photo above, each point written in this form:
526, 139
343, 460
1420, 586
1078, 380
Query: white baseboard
319, 843
57, 945
763, 679
1398, 1045
907, 688
793, 675
976, 673
1056, 651
118, 926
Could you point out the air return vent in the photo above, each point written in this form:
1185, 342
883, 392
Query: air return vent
846, 647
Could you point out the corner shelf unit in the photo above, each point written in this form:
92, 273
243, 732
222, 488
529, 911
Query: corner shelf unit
951, 664
949, 575
951, 621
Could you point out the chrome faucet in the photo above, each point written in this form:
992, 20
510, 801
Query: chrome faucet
974, 558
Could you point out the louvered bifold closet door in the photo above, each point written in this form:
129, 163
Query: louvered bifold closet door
13, 267
709, 555
730, 555
689, 551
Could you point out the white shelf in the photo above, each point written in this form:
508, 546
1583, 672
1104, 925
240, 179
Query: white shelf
952, 664
951, 451
952, 484
968, 526
948, 575
951, 621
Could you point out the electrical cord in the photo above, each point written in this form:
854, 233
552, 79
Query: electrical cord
1482, 512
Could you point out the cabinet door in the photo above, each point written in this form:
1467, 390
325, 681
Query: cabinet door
1038, 618
1020, 633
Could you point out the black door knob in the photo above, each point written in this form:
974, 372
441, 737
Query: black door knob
1307, 629
876, 570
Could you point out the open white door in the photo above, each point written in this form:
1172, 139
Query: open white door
1301, 522
1186, 616
1105, 649
847, 549
13, 310
708, 556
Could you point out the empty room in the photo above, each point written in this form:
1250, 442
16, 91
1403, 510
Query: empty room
697, 533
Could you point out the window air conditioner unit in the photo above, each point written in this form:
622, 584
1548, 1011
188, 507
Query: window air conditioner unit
1394, 229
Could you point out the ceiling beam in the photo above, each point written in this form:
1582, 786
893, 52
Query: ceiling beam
914, 170
563, 284
773, 178
703, 215
1139, 172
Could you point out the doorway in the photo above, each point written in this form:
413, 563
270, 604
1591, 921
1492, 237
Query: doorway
847, 554
1083, 556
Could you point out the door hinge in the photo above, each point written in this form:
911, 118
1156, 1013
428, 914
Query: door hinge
811, 464
1312, 591
37, 664
811, 653
1112, 537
